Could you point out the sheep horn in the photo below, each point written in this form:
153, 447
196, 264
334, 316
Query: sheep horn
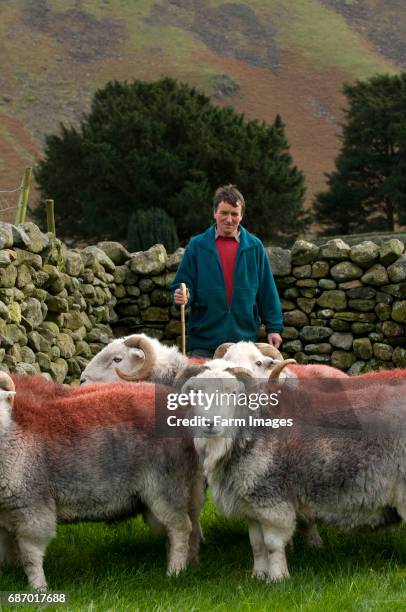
222, 349
269, 351
190, 370
6, 382
150, 359
243, 375
274, 375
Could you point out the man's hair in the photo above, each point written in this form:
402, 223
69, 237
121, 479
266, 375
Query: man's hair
230, 195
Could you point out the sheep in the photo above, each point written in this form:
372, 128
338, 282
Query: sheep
134, 358
313, 372
221, 374
74, 454
382, 374
263, 358
348, 472
258, 357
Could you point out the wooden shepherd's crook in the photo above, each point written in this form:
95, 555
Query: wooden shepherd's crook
182, 318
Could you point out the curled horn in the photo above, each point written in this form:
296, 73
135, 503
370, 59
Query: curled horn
149, 362
190, 370
222, 349
269, 351
6, 382
243, 375
274, 375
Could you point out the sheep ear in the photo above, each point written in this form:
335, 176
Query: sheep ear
142, 363
276, 371
245, 376
136, 353
270, 362
222, 350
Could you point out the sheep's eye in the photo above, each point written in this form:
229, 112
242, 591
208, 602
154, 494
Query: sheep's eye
82, 381
258, 363
117, 359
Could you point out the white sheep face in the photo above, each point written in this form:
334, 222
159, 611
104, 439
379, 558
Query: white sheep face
102, 368
247, 355
215, 397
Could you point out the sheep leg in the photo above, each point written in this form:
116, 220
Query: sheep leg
401, 508
8, 548
152, 522
179, 535
277, 528
33, 536
178, 527
196, 503
259, 550
32, 551
311, 535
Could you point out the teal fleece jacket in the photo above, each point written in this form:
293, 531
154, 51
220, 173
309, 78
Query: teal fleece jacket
255, 298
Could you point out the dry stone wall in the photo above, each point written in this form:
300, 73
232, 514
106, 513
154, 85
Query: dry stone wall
344, 306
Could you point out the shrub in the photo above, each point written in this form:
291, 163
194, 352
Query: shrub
151, 226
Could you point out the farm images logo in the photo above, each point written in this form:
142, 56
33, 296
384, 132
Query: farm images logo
219, 407
211, 403
316, 408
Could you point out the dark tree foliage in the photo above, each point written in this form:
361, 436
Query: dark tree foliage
164, 144
367, 191
150, 226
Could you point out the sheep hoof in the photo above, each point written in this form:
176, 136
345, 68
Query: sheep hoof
277, 576
175, 569
259, 574
312, 537
315, 543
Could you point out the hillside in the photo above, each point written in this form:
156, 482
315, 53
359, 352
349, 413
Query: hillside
262, 57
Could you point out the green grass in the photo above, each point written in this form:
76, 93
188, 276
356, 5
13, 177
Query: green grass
122, 567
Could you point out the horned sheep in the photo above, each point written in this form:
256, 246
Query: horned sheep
309, 372
347, 480
264, 359
134, 358
74, 454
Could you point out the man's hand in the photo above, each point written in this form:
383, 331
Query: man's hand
275, 339
178, 297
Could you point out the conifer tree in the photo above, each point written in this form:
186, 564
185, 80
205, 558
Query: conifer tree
164, 144
367, 191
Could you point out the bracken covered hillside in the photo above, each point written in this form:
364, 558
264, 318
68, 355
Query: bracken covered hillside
262, 57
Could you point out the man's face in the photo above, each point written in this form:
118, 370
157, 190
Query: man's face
228, 218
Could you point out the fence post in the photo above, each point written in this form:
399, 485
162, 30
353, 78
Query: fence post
23, 199
49, 204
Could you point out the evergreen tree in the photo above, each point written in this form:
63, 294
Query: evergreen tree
367, 191
149, 227
164, 144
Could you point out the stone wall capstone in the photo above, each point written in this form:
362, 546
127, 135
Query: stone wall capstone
343, 305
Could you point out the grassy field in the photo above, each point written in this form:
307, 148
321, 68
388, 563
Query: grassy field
122, 567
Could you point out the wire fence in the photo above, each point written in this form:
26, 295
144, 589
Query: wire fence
15, 200
9, 201
7, 196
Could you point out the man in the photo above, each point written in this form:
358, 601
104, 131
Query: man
229, 280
